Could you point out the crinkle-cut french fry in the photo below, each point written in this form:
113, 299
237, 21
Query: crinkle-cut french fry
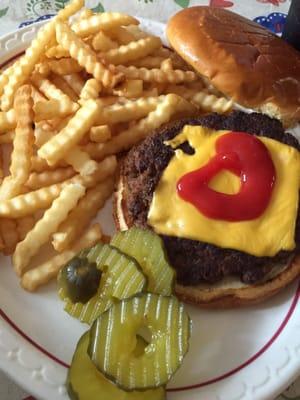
28, 203
136, 32
106, 168
80, 217
43, 132
167, 65
64, 66
2, 245
63, 85
47, 178
49, 270
50, 90
148, 62
4, 77
210, 102
81, 161
8, 121
131, 88
177, 61
132, 51
39, 164
22, 146
100, 134
157, 75
9, 234
7, 138
25, 65
128, 111
37, 95
104, 21
102, 42
60, 144
90, 90
85, 56
121, 35
171, 105
85, 13
45, 110
57, 52
42, 68
76, 82
46, 226
24, 225
182, 90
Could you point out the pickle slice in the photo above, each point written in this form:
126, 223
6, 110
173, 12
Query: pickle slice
148, 249
113, 338
122, 274
85, 382
121, 278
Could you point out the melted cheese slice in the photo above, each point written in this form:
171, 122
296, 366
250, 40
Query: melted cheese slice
273, 231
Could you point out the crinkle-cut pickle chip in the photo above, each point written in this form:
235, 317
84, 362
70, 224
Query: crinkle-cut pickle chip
113, 338
85, 382
148, 249
121, 278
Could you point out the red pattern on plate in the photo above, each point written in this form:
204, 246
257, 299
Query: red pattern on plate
221, 3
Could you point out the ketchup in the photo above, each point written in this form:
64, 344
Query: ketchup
245, 156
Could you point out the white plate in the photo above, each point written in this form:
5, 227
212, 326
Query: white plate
243, 354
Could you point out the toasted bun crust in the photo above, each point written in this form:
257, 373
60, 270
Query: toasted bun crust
219, 296
240, 58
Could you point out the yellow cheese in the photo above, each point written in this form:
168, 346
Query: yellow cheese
273, 231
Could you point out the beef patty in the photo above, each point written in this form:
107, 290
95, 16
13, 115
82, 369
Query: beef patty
193, 260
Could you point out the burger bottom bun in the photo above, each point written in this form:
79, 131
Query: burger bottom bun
228, 294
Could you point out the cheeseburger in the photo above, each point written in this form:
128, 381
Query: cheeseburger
223, 190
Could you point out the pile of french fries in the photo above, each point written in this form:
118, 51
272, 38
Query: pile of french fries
89, 87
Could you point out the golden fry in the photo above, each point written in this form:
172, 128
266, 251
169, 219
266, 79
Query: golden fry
8, 121
85, 56
103, 21
76, 82
65, 66
25, 65
47, 178
157, 75
132, 51
121, 35
46, 226
23, 145
100, 134
61, 143
9, 234
28, 203
53, 108
49, 270
91, 90
171, 105
131, 88
102, 42
80, 217
63, 85
81, 161
7, 137
210, 102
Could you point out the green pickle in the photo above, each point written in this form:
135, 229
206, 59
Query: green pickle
85, 382
121, 277
114, 335
79, 279
148, 249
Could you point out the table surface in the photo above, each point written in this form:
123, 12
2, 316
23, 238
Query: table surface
17, 13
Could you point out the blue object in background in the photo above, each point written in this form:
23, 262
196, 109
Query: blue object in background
32, 21
274, 22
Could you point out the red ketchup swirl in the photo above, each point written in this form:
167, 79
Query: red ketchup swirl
245, 156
